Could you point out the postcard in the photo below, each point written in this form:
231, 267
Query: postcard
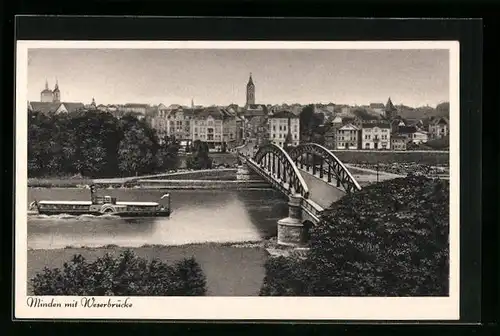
237, 180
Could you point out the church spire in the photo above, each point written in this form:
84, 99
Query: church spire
250, 92
192, 103
250, 80
46, 84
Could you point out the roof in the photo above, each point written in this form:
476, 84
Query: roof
250, 80
256, 107
214, 112
44, 107
397, 137
377, 105
134, 105
348, 127
284, 115
72, 107
440, 120
407, 129
379, 125
66, 202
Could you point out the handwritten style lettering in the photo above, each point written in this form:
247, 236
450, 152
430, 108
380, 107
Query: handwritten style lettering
110, 303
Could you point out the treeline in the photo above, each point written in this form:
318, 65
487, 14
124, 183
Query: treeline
96, 144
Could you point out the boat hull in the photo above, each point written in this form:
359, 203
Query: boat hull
164, 213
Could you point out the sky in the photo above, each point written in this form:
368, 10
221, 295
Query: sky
219, 77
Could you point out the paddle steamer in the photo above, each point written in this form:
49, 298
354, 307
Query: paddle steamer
102, 205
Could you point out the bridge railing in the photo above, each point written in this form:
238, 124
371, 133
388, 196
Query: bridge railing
299, 183
348, 181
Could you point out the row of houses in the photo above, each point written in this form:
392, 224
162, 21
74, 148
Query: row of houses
373, 133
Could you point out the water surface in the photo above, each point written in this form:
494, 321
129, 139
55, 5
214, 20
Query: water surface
198, 216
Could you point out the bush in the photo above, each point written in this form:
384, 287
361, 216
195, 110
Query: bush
286, 276
389, 239
125, 275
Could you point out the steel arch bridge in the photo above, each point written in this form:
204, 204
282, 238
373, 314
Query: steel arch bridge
275, 165
286, 173
324, 162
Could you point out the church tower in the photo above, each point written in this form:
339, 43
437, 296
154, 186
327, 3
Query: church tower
57, 94
46, 96
250, 91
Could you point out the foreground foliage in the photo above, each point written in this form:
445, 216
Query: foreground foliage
389, 239
125, 275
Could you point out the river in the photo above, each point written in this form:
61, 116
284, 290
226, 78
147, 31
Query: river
198, 216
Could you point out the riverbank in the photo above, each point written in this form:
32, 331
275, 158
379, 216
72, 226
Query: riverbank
232, 269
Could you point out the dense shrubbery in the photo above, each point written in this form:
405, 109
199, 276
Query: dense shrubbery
93, 143
125, 275
389, 239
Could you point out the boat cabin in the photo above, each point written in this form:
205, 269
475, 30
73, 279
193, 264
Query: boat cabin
103, 200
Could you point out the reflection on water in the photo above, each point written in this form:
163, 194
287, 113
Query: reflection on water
198, 216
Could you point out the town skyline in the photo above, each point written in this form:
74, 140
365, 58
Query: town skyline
218, 77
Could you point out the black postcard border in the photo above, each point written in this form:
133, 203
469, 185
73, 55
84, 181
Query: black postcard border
467, 32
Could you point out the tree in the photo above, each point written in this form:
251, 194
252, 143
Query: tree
124, 275
137, 149
309, 122
443, 109
199, 159
389, 239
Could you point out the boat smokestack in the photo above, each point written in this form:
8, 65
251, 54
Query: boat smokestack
165, 201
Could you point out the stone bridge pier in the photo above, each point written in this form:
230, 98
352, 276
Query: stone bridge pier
291, 230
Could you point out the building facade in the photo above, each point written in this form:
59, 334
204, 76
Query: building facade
376, 136
213, 125
439, 128
49, 96
283, 126
398, 142
347, 137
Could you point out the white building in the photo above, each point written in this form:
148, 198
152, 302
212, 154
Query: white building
419, 137
376, 136
347, 137
282, 124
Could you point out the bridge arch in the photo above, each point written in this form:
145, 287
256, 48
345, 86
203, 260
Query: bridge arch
307, 154
276, 161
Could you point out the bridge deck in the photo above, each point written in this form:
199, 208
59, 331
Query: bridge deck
320, 191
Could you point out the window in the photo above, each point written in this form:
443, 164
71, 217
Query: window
367, 145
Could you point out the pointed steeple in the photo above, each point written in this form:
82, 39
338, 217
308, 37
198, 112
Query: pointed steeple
93, 102
250, 80
57, 86
192, 103
46, 84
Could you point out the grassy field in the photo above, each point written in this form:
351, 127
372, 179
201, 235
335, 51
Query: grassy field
230, 271
426, 158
